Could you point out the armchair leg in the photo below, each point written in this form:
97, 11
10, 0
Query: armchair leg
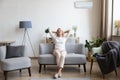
29, 70
20, 70
5, 74
116, 72
44, 67
103, 76
84, 67
40, 67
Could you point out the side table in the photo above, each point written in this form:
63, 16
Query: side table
6, 43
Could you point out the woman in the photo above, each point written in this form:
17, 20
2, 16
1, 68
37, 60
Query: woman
59, 50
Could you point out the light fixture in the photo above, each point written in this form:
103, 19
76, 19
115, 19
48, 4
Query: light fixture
25, 25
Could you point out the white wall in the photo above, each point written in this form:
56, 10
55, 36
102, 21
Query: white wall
43, 14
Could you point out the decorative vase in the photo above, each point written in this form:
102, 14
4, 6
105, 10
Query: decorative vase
74, 34
46, 38
89, 56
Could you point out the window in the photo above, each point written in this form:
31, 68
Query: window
116, 18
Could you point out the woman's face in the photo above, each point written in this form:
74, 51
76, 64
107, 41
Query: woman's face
59, 32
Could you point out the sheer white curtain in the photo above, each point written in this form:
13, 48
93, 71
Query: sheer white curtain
106, 18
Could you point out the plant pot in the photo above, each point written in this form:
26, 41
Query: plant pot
89, 56
74, 34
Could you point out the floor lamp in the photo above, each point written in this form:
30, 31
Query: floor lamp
26, 25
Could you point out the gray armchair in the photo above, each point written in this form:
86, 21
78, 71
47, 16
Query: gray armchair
14, 63
109, 60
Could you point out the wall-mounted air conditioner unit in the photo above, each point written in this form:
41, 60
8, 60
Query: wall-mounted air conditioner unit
83, 4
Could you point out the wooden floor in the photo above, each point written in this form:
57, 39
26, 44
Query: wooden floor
68, 72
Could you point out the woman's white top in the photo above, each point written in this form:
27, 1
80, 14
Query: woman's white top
59, 42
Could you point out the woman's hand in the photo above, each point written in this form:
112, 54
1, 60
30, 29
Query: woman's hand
47, 30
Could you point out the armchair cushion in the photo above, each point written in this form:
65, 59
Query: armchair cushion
14, 51
15, 63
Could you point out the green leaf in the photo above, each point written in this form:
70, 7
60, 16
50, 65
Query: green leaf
47, 30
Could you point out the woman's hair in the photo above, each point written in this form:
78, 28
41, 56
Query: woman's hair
58, 30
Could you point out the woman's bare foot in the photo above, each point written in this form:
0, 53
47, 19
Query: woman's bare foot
56, 76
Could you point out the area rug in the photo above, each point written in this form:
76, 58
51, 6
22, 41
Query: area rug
60, 79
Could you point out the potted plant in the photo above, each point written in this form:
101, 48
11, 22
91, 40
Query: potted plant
117, 26
46, 31
88, 45
97, 42
91, 44
75, 30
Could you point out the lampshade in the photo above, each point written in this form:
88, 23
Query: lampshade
25, 24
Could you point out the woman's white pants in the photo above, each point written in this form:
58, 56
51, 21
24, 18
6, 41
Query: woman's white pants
60, 57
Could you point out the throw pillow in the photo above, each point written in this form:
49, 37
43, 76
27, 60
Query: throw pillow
14, 51
97, 50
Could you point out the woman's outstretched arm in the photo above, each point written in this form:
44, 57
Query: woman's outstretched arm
54, 32
51, 33
67, 31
